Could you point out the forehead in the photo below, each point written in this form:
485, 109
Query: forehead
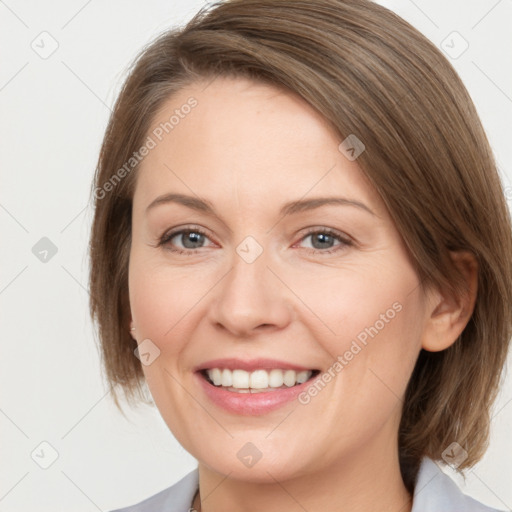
265, 142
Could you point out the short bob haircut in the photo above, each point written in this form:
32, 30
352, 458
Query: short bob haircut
369, 73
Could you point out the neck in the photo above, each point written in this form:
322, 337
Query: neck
366, 481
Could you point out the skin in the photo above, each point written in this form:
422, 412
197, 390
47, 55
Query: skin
249, 148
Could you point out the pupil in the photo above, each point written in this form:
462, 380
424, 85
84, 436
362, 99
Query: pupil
193, 238
324, 239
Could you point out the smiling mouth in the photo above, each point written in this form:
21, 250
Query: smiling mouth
257, 381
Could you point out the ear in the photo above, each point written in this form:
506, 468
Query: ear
132, 332
447, 313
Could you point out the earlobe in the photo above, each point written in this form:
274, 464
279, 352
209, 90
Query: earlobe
132, 330
448, 313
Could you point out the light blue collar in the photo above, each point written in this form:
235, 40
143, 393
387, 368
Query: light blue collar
435, 491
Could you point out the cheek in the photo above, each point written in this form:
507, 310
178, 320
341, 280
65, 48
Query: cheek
377, 334
160, 300
356, 299
371, 317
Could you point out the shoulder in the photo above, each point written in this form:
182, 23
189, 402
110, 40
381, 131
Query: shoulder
435, 491
176, 498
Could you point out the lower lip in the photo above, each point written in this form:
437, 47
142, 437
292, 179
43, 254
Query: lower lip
251, 404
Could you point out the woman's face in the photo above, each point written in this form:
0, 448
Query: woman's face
324, 286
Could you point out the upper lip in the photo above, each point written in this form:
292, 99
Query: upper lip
249, 364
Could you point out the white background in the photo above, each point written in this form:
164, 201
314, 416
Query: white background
53, 115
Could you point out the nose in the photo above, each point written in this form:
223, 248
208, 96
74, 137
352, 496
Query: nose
250, 298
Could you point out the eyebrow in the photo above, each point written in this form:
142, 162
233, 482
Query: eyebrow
301, 205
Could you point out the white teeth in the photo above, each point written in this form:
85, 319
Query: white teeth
258, 379
275, 379
240, 379
303, 376
290, 378
216, 376
227, 379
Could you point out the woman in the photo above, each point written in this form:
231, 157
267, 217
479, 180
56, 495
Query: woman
291, 247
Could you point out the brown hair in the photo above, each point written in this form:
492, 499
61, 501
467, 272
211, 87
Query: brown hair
373, 75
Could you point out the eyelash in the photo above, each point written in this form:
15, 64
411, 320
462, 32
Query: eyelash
345, 242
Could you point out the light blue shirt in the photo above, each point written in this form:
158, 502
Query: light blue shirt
434, 491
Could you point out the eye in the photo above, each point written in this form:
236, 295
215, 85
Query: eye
193, 238
190, 238
322, 240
